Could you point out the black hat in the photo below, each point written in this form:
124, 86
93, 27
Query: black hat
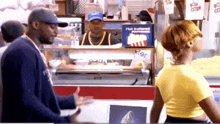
11, 30
45, 15
145, 16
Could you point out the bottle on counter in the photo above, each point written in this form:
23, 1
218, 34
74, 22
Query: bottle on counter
77, 41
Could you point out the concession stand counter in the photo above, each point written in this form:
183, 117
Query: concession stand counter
103, 65
73, 64
207, 62
124, 70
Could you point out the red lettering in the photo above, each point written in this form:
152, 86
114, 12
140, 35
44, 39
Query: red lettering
168, 1
193, 4
195, 8
216, 5
217, 10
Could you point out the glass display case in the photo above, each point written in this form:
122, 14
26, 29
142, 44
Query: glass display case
101, 65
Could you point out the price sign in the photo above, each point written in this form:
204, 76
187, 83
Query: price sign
169, 6
214, 12
194, 9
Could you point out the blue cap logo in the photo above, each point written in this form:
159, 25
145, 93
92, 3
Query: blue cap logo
95, 15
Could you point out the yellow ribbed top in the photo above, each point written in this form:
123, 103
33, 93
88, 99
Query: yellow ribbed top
181, 89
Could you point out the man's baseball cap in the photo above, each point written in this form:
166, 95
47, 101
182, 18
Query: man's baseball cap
45, 15
95, 15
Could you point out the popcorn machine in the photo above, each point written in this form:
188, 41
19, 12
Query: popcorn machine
206, 61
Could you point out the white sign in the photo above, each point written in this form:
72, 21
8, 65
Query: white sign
169, 6
194, 9
98, 55
214, 12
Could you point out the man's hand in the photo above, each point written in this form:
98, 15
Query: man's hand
74, 118
79, 100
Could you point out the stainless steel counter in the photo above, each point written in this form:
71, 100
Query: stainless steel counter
213, 79
138, 78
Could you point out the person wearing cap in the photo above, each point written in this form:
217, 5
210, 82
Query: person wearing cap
97, 36
145, 16
27, 89
10, 31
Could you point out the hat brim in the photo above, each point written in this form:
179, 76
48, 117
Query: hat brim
95, 18
60, 24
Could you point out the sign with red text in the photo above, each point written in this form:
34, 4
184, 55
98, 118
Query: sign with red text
214, 12
169, 6
194, 9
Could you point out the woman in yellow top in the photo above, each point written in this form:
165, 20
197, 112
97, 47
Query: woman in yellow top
185, 93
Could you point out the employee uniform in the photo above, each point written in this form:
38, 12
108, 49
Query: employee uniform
181, 89
106, 39
28, 93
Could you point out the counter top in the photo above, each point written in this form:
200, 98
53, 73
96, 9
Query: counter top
214, 80
89, 47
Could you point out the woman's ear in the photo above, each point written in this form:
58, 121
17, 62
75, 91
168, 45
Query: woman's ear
189, 44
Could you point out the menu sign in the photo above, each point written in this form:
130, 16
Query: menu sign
214, 12
194, 9
138, 35
169, 6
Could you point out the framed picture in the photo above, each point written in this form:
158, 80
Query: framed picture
127, 114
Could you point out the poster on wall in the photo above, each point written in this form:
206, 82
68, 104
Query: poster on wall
127, 114
214, 12
138, 35
194, 9
169, 6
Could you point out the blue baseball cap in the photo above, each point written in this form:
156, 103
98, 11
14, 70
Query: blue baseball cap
95, 15
45, 15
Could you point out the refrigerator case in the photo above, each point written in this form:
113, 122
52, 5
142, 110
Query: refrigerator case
117, 70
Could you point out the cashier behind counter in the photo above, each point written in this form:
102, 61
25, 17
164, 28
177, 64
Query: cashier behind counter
96, 35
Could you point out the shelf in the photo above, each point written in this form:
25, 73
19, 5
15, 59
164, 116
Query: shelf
113, 20
113, 4
60, 0
113, 47
109, 29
